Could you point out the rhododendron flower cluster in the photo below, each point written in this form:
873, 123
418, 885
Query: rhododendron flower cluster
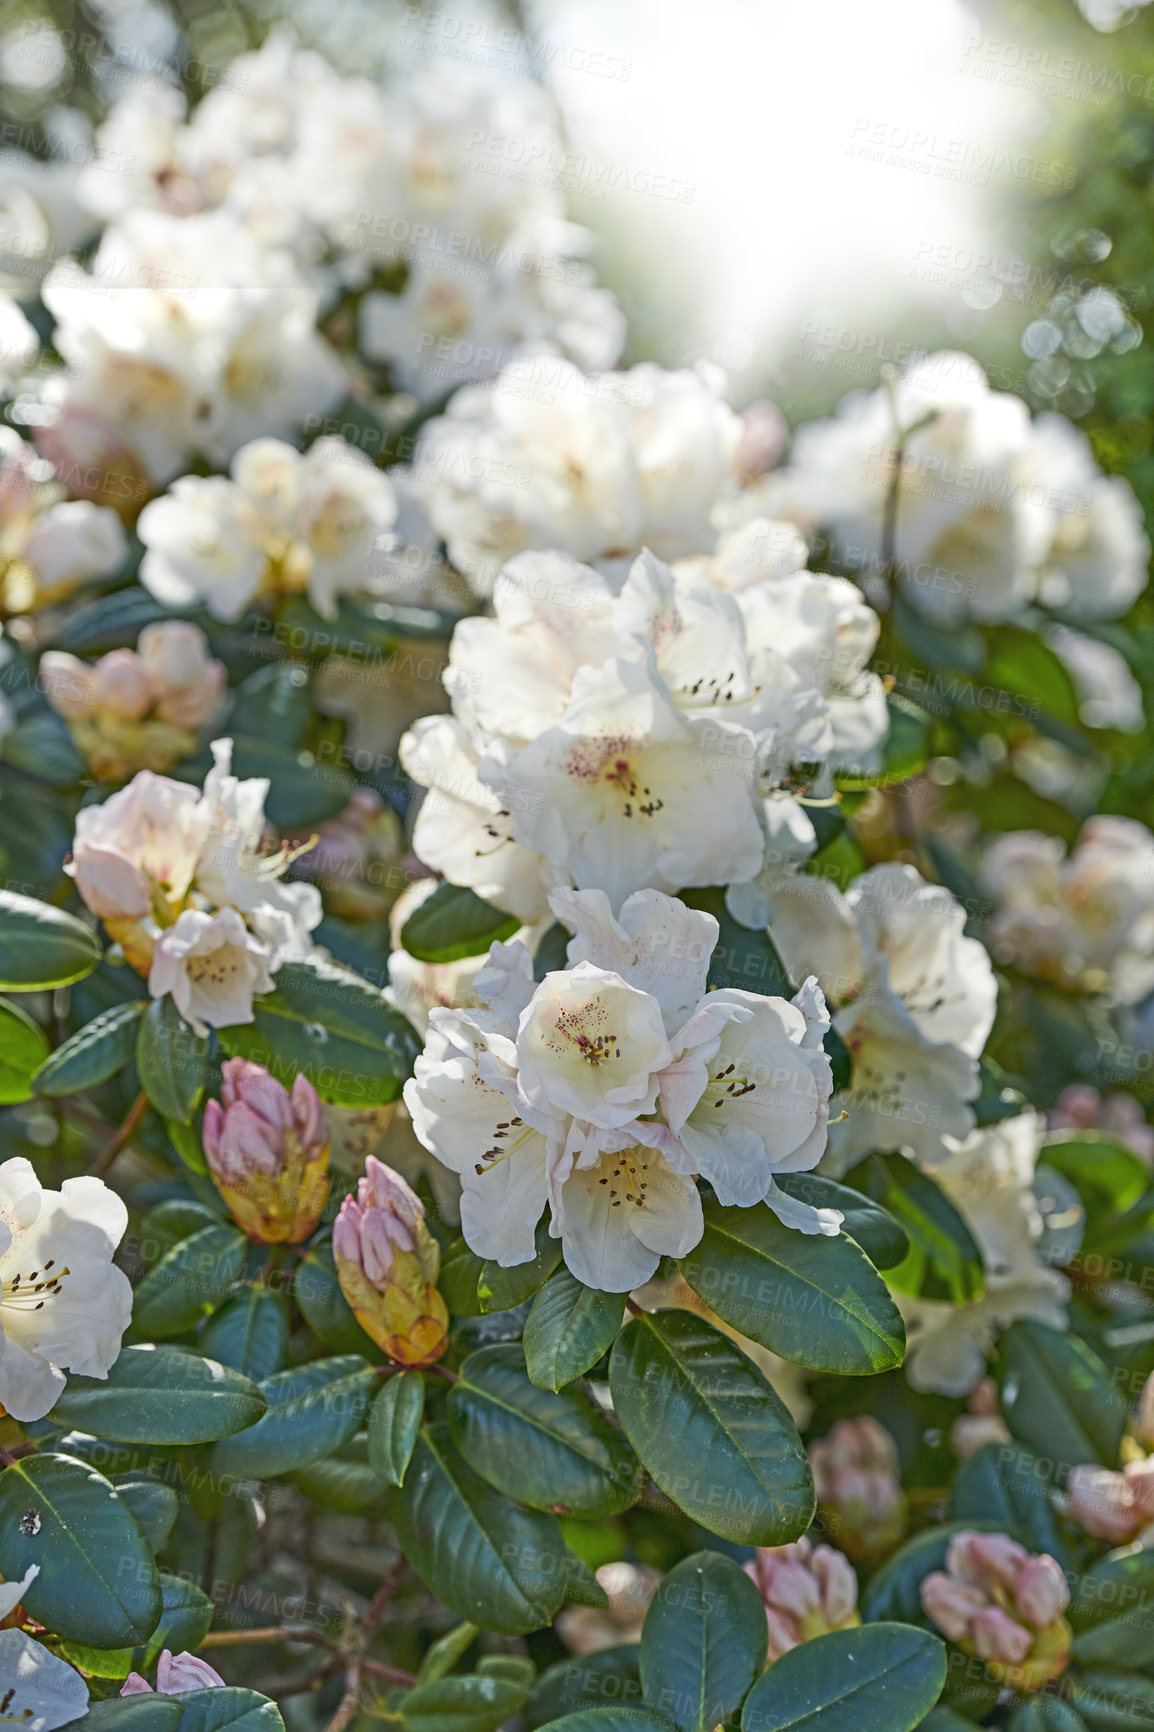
1004, 1604
184, 882
808, 1590
602, 1092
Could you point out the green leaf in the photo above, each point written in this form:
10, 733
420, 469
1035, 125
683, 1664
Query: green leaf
188, 1282
960, 647
880, 1678
272, 704
324, 1307
153, 1504
741, 957
546, 1449
470, 1704
97, 1583
568, 1329
344, 1481
1113, 1701
23, 1049
171, 1059
312, 1411
1001, 1483
229, 1710
250, 1333
588, 1681
1112, 1612
185, 1139
453, 923
131, 1714
1058, 1397
327, 1024
944, 1261
712, 1431
94, 1053
475, 1287
442, 1656
41, 946
894, 1591
704, 1642
161, 1395
869, 1225
817, 1301
1104, 1170
1020, 662
1041, 1714
491, 1561
394, 1421
612, 1720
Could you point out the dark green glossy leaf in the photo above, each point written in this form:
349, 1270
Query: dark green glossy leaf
312, 1411
394, 1421
568, 1329
1113, 1701
609, 1675
741, 957
1112, 1612
41, 946
453, 923
250, 1333
188, 1282
491, 1561
944, 1261
1002, 1483
815, 1300
712, 1431
327, 1312
880, 1678
469, 1704
95, 1052
97, 1583
170, 1059
161, 1395
547, 1449
704, 1642
1058, 1398
867, 1222
153, 1504
329, 1025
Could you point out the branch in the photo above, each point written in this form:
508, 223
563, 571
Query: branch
122, 1136
271, 1633
351, 1700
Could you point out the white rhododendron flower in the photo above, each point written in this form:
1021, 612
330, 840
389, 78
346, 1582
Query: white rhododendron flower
917, 1003
319, 523
19, 344
185, 882
1084, 918
989, 1178
63, 1305
191, 337
38, 1691
603, 1091
993, 512
660, 731
595, 467
211, 964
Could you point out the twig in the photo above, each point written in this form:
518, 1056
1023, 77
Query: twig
271, 1633
351, 1700
122, 1136
636, 1309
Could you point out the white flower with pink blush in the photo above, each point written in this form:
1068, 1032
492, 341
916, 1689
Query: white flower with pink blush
139, 850
606, 1089
212, 965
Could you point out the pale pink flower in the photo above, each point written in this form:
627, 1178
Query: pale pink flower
807, 1591
176, 1675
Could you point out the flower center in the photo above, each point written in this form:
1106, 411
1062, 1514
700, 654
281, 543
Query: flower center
216, 968
728, 1085
627, 1176
29, 1292
579, 1029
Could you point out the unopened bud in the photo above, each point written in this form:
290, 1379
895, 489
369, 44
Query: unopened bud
176, 1675
807, 1591
388, 1263
859, 1493
268, 1153
1003, 1605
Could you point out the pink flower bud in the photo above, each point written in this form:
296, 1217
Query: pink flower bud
1102, 1502
856, 1474
388, 1263
70, 685
175, 1676
838, 1584
951, 1604
806, 1592
1139, 1477
123, 686
187, 684
268, 1152
985, 1561
997, 1637
764, 434
1041, 1593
